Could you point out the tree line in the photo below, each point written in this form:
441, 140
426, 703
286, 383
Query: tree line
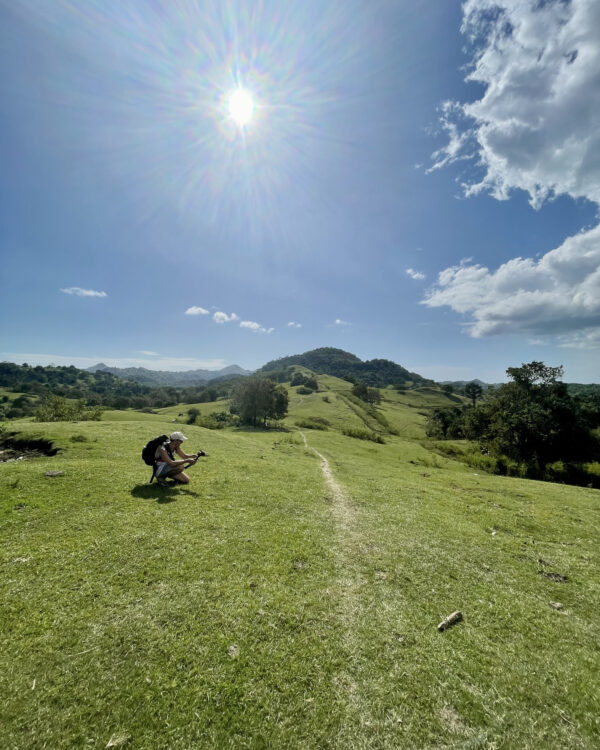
99, 389
532, 426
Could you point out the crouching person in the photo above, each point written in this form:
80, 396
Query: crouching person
168, 466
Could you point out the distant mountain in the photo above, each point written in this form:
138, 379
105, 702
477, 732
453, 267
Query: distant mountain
157, 378
341, 364
459, 384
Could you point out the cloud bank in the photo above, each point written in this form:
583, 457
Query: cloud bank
535, 128
79, 292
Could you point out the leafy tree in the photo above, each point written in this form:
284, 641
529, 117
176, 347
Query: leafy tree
364, 393
257, 399
360, 391
473, 391
446, 423
193, 415
532, 419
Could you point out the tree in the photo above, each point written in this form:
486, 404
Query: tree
473, 391
257, 399
532, 419
535, 373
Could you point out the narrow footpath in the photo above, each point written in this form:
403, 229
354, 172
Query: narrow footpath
346, 595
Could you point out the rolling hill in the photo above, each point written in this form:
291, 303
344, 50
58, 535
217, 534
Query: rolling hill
289, 596
342, 364
167, 378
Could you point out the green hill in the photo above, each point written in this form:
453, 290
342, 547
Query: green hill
341, 364
289, 596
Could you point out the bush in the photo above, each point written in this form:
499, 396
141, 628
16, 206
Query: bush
304, 391
216, 420
363, 435
313, 423
58, 409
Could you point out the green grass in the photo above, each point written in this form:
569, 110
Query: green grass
259, 608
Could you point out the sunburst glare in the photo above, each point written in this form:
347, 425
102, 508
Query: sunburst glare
241, 107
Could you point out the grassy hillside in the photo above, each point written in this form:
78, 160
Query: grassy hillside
266, 605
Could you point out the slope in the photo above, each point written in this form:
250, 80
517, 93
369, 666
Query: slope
252, 609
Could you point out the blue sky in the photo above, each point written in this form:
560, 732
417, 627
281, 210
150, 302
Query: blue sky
419, 181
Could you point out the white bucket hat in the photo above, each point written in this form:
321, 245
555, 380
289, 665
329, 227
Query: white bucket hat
178, 436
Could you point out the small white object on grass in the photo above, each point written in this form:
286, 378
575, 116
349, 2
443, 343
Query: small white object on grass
117, 740
450, 620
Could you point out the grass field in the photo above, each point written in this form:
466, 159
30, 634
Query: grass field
270, 604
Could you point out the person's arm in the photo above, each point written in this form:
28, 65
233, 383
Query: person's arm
164, 456
186, 456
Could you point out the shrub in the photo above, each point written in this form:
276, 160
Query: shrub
304, 391
216, 420
363, 435
313, 423
79, 439
58, 409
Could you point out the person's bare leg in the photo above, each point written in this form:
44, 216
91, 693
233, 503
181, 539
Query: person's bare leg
180, 477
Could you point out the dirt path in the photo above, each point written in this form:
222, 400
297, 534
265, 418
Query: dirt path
340, 499
346, 598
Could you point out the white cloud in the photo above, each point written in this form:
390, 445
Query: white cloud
77, 290
589, 339
291, 324
255, 327
194, 310
338, 322
221, 317
536, 125
558, 294
535, 128
417, 275
147, 353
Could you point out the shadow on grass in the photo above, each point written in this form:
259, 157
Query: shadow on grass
161, 494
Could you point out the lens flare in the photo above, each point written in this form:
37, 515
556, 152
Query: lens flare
241, 107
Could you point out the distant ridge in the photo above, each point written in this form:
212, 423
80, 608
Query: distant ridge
165, 377
330, 361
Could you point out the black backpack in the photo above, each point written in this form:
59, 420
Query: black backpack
149, 450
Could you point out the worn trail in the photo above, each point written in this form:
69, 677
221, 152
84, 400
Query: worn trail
346, 596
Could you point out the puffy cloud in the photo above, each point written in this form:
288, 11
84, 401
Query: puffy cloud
255, 327
221, 317
194, 310
417, 275
536, 125
338, 322
77, 290
535, 128
558, 294
291, 324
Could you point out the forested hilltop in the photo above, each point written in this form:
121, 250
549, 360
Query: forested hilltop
157, 378
330, 361
92, 389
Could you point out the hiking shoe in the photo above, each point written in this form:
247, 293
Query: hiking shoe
163, 482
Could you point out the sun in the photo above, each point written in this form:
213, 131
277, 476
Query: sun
241, 107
